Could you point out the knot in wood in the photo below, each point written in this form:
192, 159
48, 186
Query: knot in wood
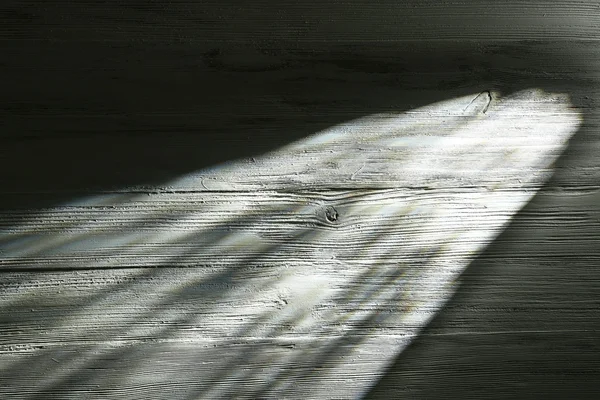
331, 214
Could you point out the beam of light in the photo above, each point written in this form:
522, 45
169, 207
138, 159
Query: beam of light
305, 270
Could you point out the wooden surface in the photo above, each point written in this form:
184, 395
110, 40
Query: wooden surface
283, 201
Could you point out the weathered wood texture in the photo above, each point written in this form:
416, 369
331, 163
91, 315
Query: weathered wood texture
171, 229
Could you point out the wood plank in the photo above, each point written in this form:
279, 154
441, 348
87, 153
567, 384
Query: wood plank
156, 138
333, 21
211, 200
345, 278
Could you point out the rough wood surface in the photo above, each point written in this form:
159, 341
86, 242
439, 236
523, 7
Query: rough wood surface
208, 201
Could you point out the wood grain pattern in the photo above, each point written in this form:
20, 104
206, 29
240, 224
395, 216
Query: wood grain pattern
267, 20
344, 278
162, 196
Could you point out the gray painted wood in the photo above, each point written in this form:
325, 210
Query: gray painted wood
193, 211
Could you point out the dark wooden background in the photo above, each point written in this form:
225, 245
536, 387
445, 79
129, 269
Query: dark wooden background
115, 95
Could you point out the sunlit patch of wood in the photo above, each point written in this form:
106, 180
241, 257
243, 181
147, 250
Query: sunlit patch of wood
305, 270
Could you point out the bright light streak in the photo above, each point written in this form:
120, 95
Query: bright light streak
419, 195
